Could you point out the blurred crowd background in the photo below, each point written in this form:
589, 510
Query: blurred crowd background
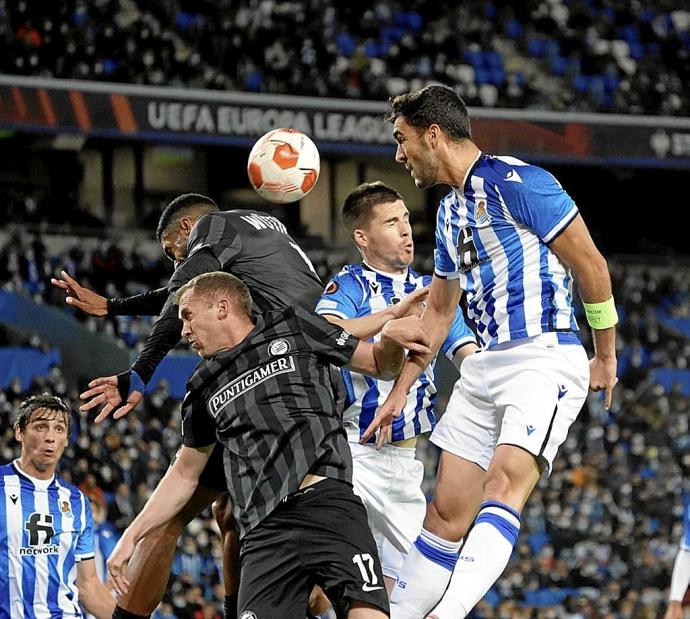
586, 55
600, 535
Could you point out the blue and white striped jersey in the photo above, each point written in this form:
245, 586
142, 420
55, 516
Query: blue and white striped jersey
493, 235
357, 291
46, 527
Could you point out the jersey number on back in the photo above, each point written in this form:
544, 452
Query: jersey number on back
300, 251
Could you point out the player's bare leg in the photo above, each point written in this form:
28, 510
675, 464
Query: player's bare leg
230, 542
511, 477
149, 569
458, 493
362, 610
431, 559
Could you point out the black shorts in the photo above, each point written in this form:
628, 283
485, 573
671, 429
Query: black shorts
317, 536
213, 475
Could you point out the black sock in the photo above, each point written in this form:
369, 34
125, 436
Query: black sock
121, 613
230, 606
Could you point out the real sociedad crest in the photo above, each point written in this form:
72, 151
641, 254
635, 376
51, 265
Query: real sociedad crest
481, 215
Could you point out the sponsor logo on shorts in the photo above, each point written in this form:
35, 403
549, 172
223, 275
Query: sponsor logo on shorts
562, 390
248, 614
246, 382
530, 429
466, 559
367, 588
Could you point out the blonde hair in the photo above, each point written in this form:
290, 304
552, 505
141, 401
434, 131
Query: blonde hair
209, 285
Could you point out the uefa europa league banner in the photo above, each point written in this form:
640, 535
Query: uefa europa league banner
336, 125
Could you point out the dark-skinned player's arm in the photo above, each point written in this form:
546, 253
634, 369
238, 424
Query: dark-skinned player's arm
148, 303
119, 394
441, 305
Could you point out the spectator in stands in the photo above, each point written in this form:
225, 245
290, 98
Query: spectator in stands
582, 56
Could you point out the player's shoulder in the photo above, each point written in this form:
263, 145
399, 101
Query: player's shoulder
512, 173
68, 485
350, 272
7, 470
448, 200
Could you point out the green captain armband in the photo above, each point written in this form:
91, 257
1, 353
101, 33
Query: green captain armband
601, 315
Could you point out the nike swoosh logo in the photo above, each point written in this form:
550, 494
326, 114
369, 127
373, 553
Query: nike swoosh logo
367, 588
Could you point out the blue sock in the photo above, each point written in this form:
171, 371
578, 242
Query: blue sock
484, 556
424, 576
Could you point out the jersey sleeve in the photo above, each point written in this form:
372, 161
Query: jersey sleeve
445, 252
198, 429
167, 328
459, 334
325, 339
215, 233
85, 548
539, 202
145, 304
342, 297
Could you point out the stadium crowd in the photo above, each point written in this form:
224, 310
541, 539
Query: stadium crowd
599, 536
27, 263
582, 55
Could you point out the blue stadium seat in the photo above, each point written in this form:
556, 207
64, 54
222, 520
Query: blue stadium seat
513, 29
345, 43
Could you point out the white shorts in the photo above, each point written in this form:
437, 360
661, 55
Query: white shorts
525, 393
389, 483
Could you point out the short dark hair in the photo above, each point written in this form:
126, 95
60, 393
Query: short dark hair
208, 284
186, 204
433, 104
362, 199
35, 403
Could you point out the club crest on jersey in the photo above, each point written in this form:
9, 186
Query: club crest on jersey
331, 287
481, 215
248, 614
278, 347
64, 507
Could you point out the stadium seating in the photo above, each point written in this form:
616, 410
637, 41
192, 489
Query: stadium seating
603, 56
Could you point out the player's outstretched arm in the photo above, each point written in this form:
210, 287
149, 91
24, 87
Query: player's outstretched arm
169, 497
115, 393
93, 594
146, 304
367, 326
81, 297
444, 296
385, 359
575, 247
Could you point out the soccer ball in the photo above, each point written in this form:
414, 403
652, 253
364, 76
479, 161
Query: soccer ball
283, 165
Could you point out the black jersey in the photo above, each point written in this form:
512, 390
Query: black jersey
254, 247
269, 401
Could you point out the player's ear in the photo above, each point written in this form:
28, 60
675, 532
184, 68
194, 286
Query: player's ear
223, 308
434, 134
18, 435
186, 224
359, 236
